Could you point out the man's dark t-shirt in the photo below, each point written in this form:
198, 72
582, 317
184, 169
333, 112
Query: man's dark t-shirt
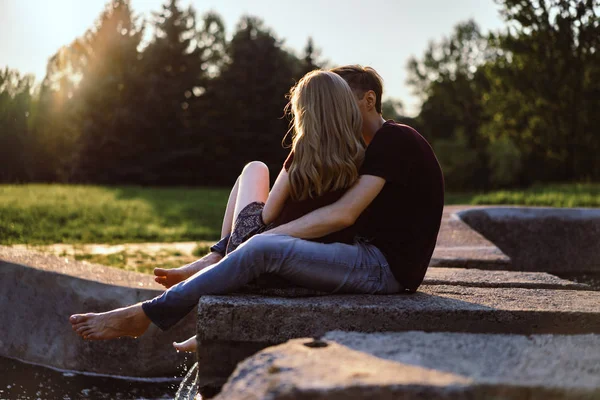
404, 219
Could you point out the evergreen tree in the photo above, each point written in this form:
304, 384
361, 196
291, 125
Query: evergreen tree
309, 60
245, 103
56, 129
110, 121
172, 69
212, 44
16, 105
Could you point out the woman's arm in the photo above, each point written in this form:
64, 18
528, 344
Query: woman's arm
277, 197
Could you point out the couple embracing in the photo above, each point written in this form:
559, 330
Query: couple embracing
356, 208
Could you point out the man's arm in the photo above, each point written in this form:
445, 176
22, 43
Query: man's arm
337, 216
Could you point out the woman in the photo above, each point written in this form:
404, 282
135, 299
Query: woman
327, 151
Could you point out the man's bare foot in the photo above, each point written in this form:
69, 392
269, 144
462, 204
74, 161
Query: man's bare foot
170, 277
128, 321
189, 345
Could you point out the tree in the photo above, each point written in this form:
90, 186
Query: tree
545, 88
16, 106
392, 109
449, 80
172, 66
245, 103
310, 60
212, 44
111, 125
56, 128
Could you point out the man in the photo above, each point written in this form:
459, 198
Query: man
397, 203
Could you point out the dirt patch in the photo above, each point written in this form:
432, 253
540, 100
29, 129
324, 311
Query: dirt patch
139, 257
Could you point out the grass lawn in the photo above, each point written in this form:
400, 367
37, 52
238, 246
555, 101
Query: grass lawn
44, 214
556, 195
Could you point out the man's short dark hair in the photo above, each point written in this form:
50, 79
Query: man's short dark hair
361, 80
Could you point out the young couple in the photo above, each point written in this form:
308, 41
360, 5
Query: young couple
356, 208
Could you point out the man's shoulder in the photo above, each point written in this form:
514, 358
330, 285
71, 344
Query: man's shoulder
393, 133
391, 127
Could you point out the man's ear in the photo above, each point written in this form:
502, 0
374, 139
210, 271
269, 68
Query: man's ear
370, 100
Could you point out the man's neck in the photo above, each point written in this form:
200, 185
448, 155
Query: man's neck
372, 126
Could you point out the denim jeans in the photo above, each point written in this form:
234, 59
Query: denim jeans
333, 268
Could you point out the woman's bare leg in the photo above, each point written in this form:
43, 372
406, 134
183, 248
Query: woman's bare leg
228, 217
252, 185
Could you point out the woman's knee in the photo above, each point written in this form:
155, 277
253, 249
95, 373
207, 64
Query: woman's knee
256, 168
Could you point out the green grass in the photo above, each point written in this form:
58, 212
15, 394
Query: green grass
44, 214
556, 195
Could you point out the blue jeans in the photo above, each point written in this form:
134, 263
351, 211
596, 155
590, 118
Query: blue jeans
333, 268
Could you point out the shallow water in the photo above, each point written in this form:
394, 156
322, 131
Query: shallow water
19, 380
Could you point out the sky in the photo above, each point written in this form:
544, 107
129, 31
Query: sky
383, 34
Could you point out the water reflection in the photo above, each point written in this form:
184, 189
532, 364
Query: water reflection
24, 381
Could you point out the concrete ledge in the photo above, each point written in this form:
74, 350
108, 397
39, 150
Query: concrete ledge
539, 238
418, 365
231, 328
459, 245
439, 307
274, 286
507, 279
39, 292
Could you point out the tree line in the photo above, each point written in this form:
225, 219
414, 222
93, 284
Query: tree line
191, 106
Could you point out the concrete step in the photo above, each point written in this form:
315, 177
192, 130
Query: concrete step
40, 292
460, 246
481, 278
436, 307
419, 365
274, 286
231, 328
539, 238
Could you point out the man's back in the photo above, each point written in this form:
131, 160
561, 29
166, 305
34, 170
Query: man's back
404, 219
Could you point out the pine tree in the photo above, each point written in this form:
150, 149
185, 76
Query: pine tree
110, 122
309, 61
246, 103
15, 109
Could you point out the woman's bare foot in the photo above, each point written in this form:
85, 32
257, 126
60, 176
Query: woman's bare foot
128, 321
170, 277
189, 345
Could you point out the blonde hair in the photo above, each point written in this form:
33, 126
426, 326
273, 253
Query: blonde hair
326, 135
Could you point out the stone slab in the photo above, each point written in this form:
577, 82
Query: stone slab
541, 238
419, 365
231, 328
275, 286
436, 307
459, 245
40, 292
486, 278
77, 269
